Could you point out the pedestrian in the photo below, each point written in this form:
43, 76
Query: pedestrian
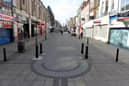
81, 33
61, 31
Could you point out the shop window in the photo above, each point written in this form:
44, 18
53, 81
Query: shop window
23, 1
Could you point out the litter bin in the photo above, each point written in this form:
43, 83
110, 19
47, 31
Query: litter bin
21, 46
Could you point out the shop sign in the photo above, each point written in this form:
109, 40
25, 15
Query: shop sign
7, 25
41, 25
97, 22
4, 17
123, 16
113, 20
126, 19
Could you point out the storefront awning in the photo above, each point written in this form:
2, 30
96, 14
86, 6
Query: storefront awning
125, 19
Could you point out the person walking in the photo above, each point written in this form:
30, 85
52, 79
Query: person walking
61, 31
81, 33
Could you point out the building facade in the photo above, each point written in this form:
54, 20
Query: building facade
119, 23
6, 21
108, 21
29, 17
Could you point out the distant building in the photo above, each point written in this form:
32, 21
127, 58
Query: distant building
52, 18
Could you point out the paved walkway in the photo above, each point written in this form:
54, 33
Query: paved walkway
11, 48
63, 65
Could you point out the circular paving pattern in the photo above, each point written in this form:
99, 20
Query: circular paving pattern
62, 68
62, 65
66, 48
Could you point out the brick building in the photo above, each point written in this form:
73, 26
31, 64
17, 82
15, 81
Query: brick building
28, 16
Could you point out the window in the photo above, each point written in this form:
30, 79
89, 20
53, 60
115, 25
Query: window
91, 4
1, 1
7, 3
97, 2
112, 7
124, 5
104, 8
23, 1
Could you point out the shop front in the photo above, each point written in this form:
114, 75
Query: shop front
119, 31
101, 29
41, 31
6, 29
88, 29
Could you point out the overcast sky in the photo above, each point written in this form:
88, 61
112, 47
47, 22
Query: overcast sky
63, 9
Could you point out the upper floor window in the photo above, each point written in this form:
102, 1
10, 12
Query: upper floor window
91, 4
104, 8
97, 2
124, 5
5, 11
6, 3
112, 6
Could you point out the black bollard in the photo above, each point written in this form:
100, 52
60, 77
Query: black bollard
36, 51
41, 48
86, 52
87, 41
4, 55
45, 36
82, 48
43, 53
117, 54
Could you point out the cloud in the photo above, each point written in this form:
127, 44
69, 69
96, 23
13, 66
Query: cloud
63, 9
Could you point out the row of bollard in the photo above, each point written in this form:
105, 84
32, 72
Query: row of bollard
36, 52
86, 51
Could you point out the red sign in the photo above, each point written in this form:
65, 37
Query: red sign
4, 17
41, 25
7, 25
97, 22
123, 19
